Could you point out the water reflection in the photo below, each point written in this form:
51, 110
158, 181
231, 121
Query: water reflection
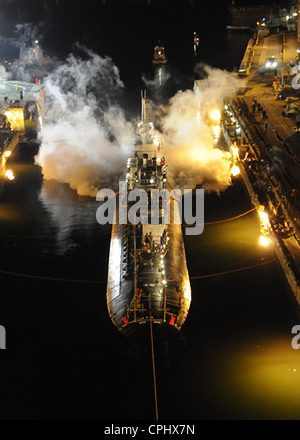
237, 360
263, 379
70, 214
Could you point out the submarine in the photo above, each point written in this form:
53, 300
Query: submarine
148, 279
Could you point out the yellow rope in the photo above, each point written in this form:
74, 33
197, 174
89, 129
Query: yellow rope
70, 280
40, 277
230, 219
229, 271
153, 368
225, 220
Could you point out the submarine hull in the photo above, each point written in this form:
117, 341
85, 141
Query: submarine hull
164, 304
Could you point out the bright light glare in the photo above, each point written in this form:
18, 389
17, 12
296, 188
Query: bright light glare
16, 118
264, 241
217, 131
156, 141
215, 115
235, 171
235, 151
10, 175
7, 154
264, 217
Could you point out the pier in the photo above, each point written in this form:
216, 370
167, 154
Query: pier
261, 126
19, 118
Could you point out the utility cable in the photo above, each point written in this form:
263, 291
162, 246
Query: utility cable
225, 220
154, 370
230, 271
70, 280
230, 219
40, 277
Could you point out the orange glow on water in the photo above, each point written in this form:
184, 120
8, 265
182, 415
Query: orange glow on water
266, 379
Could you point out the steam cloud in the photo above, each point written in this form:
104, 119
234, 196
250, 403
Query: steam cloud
190, 146
85, 139
159, 81
32, 61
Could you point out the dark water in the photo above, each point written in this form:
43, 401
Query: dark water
64, 359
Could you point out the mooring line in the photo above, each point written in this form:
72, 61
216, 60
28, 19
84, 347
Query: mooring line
154, 370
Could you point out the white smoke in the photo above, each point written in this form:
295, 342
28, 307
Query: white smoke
160, 79
190, 145
85, 138
25, 36
4, 75
30, 60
